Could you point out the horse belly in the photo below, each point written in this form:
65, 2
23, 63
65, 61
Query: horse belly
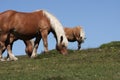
71, 38
25, 33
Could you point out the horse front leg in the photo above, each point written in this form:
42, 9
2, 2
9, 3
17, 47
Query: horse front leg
45, 42
36, 44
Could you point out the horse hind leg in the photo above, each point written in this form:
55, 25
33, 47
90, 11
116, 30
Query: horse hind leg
11, 56
2, 49
9, 44
3, 38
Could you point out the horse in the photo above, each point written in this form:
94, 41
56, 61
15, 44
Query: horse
28, 25
75, 34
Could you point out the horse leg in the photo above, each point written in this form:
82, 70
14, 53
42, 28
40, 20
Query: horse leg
3, 37
79, 45
29, 47
10, 54
36, 44
10, 41
45, 42
2, 49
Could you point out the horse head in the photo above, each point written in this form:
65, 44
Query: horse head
62, 46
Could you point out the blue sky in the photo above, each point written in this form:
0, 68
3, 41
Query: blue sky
99, 18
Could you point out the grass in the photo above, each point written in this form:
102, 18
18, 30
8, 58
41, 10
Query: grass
89, 64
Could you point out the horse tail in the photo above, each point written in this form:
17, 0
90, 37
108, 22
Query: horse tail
82, 34
57, 28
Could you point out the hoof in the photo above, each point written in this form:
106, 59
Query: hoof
33, 56
2, 59
15, 59
12, 59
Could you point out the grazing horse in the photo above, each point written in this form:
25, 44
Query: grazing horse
25, 26
75, 34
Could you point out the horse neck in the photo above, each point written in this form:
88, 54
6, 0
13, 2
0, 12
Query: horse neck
56, 26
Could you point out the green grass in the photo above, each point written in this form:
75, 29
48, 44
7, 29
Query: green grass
112, 45
89, 64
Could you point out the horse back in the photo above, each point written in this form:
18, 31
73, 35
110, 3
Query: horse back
31, 21
23, 21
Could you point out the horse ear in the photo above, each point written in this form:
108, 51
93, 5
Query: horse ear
61, 39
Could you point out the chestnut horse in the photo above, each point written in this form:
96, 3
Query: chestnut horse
26, 26
75, 34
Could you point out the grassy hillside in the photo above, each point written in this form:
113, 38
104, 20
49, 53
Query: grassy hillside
90, 64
